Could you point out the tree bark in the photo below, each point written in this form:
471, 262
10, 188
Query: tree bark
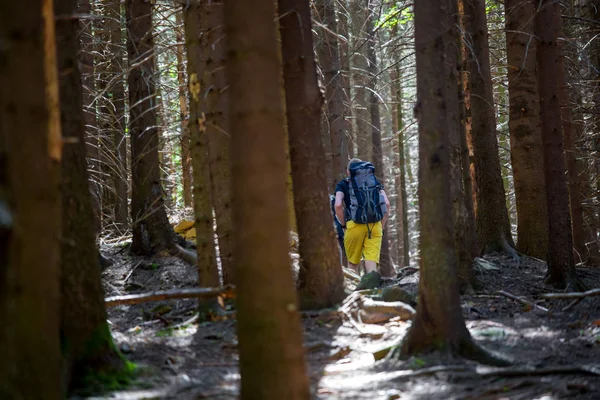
86, 60
561, 269
117, 95
320, 279
439, 324
87, 346
184, 142
403, 244
493, 226
329, 58
525, 129
30, 153
151, 230
269, 331
460, 215
199, 18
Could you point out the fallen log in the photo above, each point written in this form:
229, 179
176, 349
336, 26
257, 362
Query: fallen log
571, 295
522, 301
374, 312
227, 291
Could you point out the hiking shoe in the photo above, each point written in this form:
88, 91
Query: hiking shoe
372, 280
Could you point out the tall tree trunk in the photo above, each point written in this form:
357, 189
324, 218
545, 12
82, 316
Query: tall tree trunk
269, 331
466, 141
87, 346
344, 45
184, 142
117, 94
30, 153
199, 18
359, 66
86, 60
493, 226
561, 269
320, 279
460, 215
400, 180
525, 129
151, 230
386, 266
439, 324
329, 58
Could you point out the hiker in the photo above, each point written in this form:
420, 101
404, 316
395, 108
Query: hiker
362, 208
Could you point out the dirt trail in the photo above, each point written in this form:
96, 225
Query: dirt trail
180, 359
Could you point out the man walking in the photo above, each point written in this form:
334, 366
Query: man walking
362, 208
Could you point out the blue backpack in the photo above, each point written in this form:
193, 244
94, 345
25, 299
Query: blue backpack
366, 203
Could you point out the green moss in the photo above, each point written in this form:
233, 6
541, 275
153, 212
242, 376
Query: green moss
101, 367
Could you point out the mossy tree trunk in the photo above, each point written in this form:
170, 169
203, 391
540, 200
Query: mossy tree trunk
493, 225
30, 153
320, 278
200, 61
151, 230
525, 129
268, 325
87, 346
561, 266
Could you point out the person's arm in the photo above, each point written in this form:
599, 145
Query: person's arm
387, 209
339, 208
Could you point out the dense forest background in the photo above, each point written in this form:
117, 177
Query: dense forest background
173, 160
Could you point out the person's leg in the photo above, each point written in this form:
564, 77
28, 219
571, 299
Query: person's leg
372, 247
353, 241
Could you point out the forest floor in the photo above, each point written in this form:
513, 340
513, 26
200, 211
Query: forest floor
556, 354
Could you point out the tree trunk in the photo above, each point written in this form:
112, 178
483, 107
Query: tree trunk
493, 226
466, 141
269, 331
151, 230
86, 60
525, 129
344, 28
320, 279
561, 269
329, 58
460, 215
87, 346
117, 94
359, 66
30, 153
199, 18
184, 142
439, 324
401, 194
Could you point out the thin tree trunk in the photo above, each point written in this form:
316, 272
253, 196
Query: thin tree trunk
269, 331
561, 269
151, 230
86, 60
30, 203
493, 226
320, 279
460, 214
525, 129
359, 66
439, 324
199, 18
184, 142
329, 58
344, 29
87, 348
402, 200
117, 90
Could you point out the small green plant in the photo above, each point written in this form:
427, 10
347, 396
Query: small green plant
154, 266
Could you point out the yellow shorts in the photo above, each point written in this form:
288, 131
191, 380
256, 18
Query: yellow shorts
358, 244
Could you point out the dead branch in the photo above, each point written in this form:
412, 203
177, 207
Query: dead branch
572, 295
566, 369
522, 300
226, 291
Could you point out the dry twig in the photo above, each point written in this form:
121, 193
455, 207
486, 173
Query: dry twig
226, 291
522, 300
